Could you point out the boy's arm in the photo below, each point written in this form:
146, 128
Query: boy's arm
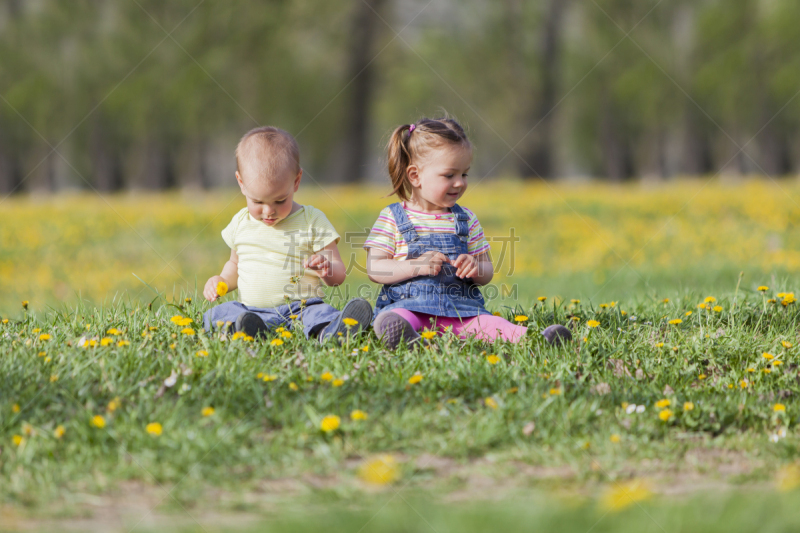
382, 268
328, 265
230, 275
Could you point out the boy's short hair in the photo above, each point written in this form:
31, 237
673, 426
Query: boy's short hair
267, 152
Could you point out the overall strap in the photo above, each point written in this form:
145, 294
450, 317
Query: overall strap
461, 219
404, 225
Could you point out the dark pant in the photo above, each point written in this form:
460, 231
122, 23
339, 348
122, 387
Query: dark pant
312, 316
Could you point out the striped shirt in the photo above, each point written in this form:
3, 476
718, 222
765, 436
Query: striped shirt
271, 258
384, 235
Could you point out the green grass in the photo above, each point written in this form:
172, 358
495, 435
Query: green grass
267, 431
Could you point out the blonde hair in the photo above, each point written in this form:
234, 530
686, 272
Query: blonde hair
268, 152
410, 142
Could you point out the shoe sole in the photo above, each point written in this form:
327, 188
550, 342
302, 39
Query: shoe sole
251, 325
358, 309
391, 328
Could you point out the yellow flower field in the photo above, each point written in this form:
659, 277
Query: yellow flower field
588, 240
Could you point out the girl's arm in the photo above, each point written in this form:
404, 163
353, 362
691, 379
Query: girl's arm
381, 268
328, 265
230, 275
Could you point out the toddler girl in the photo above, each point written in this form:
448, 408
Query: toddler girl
429, 253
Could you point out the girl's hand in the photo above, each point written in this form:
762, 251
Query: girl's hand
466, 266
431, 263
318, 263
210, 290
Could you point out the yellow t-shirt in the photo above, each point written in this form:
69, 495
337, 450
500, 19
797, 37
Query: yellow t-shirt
271, 258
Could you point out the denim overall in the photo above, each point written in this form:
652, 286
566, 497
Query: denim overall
444, 294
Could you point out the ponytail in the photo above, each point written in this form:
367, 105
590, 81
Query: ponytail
399, 160
409, 141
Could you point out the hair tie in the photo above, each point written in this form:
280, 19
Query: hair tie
411, 128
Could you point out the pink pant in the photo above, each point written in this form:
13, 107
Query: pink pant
483, 327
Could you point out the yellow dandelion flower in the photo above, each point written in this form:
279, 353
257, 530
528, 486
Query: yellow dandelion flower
18, 440
702, 306
5, 321
615, 438
593, 323
575, 318
490, 403
751, 370
661, 404
269, 377
53, 378
520, 318
358, 414
575, 301
123, 343
743, 384
44, 337
603, 306
350, 322
105, 341
766, 370
665, 415
293, 386
779, 408
687, 313
15, 408
113, 405
701, 377
786, 344
188, 331
201, 353
428, 334
98, 421
493, 359
622, 495
413, 380
542, 298
555, 392
380, 470
59, 432
330, 423
777, 363
238, 335
276, 342
497, 313
710, 299
327, 376
338, 382
113, 331
771, 301
207, 411
763, 288
154, 428
512, 390
27, 429
675, 321
293, 317
172, 346
365, 348
222, 288
24, 304
665, 301
789, 478
688, 406
767, 356
717, 308
286, 334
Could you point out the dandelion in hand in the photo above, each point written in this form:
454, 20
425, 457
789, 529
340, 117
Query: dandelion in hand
222, 288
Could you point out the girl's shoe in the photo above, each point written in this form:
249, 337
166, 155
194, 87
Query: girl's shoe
557, 334
251, 324
357, 309
392, 328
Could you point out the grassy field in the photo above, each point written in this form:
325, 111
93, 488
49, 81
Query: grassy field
683, 379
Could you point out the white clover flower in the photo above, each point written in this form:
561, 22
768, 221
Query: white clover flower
630, 409
640, 408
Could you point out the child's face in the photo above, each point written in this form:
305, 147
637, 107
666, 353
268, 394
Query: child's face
270, 201
441, 177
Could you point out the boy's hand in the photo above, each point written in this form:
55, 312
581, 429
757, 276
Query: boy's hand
431, 262
318, 263
210, 290
466, 266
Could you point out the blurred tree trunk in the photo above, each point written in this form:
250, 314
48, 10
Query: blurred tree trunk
38, 168
361, 70
537, 153
9, 170
697, 156
616, 154
106, 171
